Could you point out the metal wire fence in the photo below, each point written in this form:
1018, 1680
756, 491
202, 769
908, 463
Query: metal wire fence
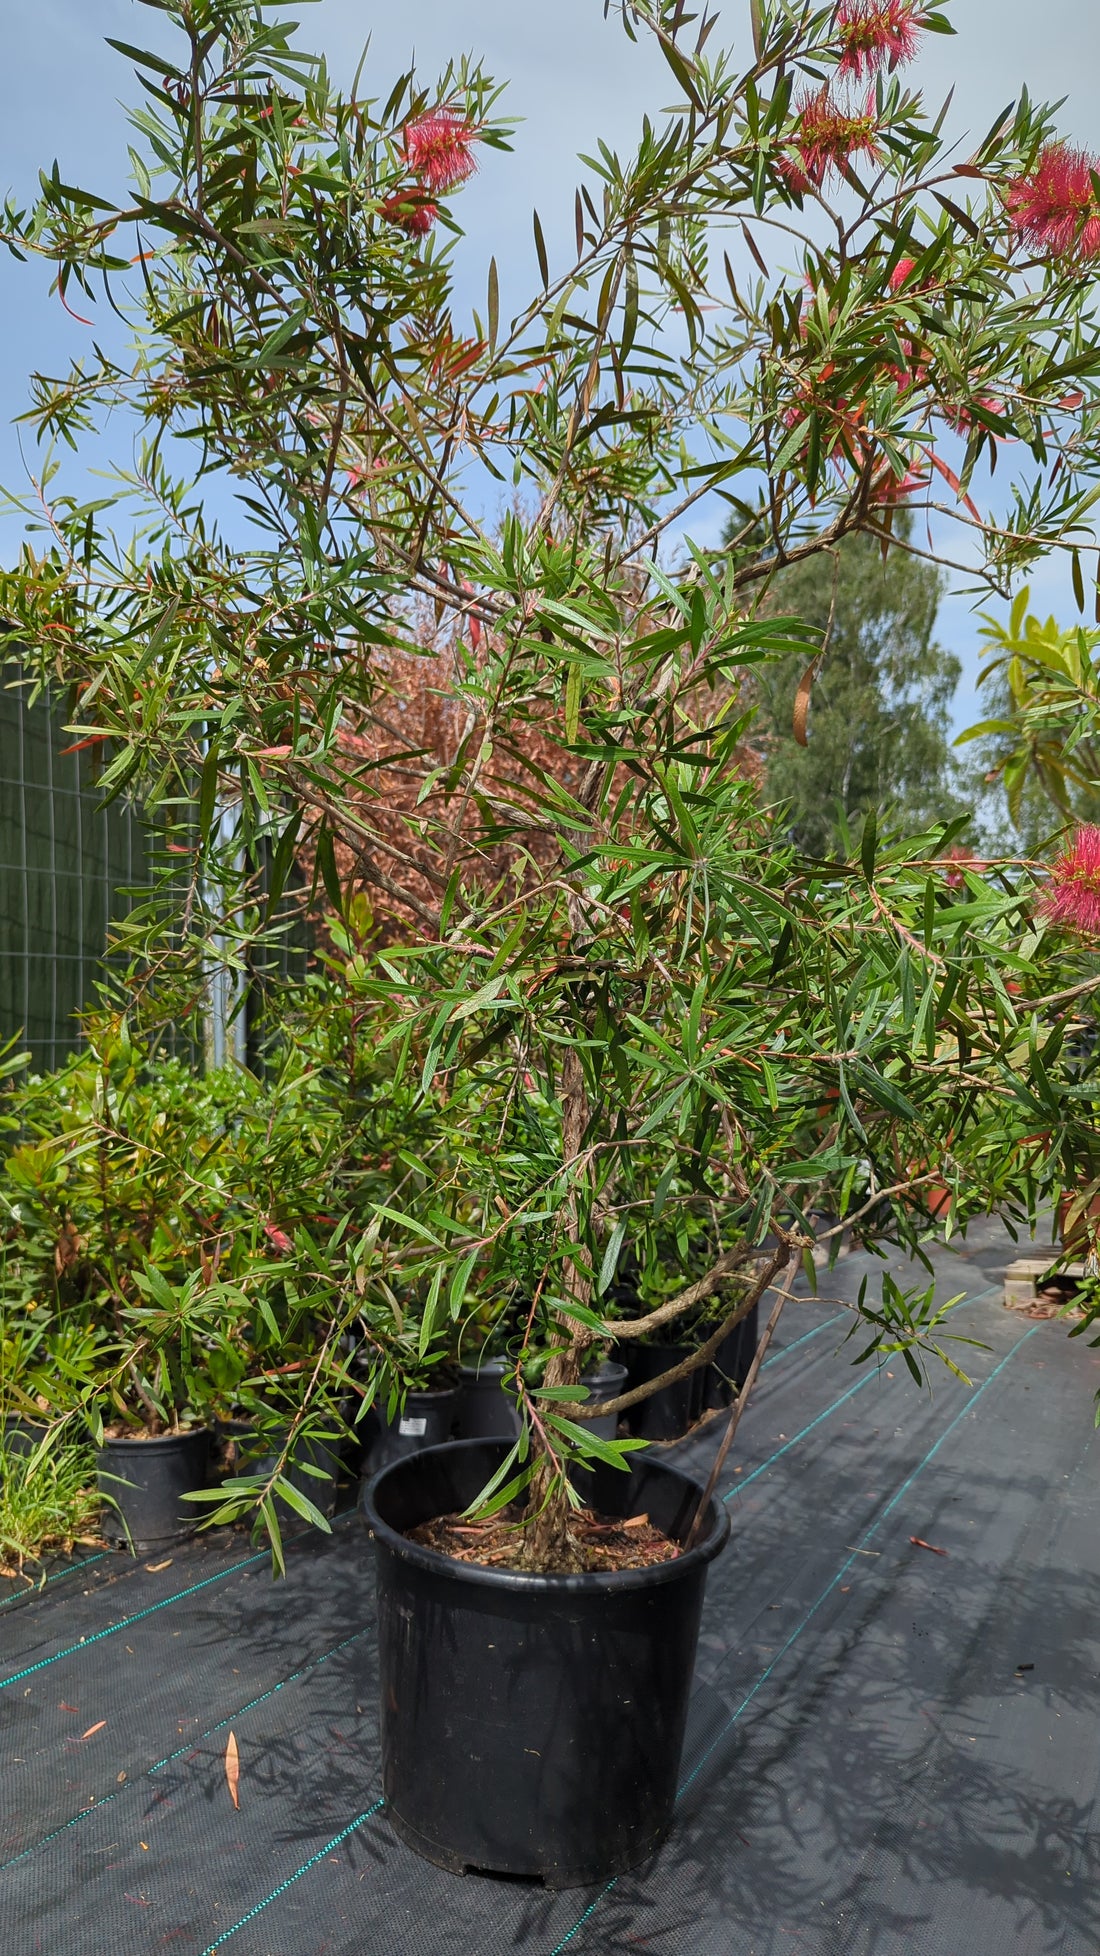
66, 866
70, 868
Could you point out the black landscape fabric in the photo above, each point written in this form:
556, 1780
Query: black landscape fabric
892, 1749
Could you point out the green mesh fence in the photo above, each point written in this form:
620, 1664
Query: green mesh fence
69, 868
66, 864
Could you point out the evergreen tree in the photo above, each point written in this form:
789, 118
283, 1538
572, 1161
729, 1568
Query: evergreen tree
878, 725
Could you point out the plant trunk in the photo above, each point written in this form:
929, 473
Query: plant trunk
548, 1541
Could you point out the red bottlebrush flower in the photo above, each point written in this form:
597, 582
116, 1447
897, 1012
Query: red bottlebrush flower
278, 1237
828, 137
437, 147
876, 33
1072, 897
409, 212
1055, 208
900, 273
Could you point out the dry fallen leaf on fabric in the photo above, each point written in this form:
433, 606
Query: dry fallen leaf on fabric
931, 1546
94, 1728
68, 1707
636, 1521
144, 1846
154, 1568
233, 1770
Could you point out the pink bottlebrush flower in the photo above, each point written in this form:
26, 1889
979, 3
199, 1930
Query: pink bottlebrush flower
278, 1237
876, 33
1072, 896
900, 273
828, 137
407, 209
437, 147
1055, 207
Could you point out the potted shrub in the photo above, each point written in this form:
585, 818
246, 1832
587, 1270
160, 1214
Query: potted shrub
116, 1240
593, 944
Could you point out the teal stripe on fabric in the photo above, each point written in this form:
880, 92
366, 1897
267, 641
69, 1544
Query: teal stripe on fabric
113, 1629
739, 1486
196, 1740
59, 1575
804, 1340
866, 1537
164, 1604
825, 1594
296, 1876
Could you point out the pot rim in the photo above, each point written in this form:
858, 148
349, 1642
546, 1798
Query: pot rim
520, 1582
157, 1439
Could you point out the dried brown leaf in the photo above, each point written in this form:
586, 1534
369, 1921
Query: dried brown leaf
94, 1728
233, 1770
917, 1543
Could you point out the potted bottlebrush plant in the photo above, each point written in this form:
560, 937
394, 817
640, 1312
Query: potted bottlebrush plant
593, 942
115, 1235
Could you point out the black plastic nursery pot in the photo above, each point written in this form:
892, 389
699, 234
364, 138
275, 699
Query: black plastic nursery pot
667, 1413
532, 1725
21, 1436
145, 1481
428, 1420
731, 1363
322, 1487
605, 1381
485, 1410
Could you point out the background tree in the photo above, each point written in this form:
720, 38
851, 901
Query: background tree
878, 724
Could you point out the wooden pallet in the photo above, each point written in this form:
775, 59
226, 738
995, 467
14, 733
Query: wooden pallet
1025, 1278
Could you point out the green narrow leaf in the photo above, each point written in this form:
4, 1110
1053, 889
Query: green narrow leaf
330, 875
611, 1256
867, 845
540, 250
493, 303
280, 868
572, 703
208, 790
1078, 581
756, 15
630, 306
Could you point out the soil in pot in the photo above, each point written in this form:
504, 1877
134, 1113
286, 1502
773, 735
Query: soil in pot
532, 1725
486, 1411
428, 1420
605, 1541
145, 1479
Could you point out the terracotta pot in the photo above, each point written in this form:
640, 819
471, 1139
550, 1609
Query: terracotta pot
1079, 1222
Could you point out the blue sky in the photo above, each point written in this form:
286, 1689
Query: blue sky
572, 76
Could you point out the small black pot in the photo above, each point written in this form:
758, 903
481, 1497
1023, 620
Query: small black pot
21, 1436
532, 1725
667, 1414
485, 1410
320, 1489
145, 1480
731, 1363
605, 1381
427, 1421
